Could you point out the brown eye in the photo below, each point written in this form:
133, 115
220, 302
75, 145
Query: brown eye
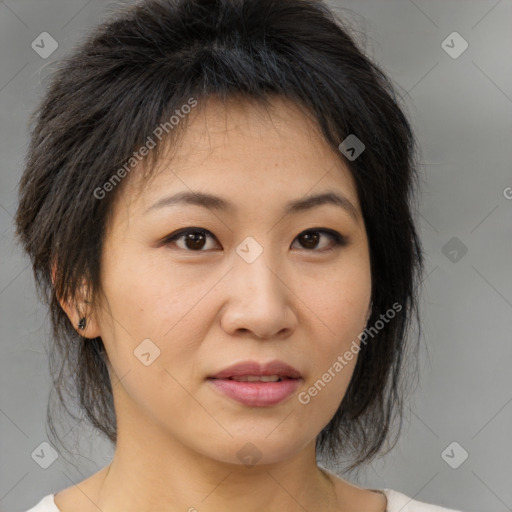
310, 239
192, 239
195, 239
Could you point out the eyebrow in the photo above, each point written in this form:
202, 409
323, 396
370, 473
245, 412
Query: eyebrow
213, 202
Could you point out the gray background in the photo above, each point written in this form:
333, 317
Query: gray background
461, 109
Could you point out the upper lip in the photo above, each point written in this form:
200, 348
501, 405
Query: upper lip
276, 367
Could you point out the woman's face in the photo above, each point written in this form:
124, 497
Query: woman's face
256, 282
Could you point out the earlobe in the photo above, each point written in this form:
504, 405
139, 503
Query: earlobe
82, 322
85, 323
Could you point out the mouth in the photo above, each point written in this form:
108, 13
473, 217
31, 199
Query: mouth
256, 378
257, 385
253, 370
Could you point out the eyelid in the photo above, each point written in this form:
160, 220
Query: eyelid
176, 235
339, 240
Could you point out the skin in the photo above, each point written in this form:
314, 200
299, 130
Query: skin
207, 308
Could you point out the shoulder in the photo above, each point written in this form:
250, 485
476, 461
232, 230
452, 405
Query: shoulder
47, 504
72, 497
398, 502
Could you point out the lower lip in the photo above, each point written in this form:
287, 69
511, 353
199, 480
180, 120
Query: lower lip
257, 394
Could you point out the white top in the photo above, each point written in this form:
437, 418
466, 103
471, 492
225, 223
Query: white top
397, 502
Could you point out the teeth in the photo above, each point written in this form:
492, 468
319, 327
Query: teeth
254, 378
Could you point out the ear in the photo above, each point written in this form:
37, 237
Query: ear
78, 309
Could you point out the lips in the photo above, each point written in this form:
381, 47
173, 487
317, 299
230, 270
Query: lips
254, 369
257, 385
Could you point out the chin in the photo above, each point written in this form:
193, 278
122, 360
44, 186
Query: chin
256, 450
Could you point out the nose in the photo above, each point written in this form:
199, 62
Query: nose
259, 301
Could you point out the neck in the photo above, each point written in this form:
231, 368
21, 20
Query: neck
141, 482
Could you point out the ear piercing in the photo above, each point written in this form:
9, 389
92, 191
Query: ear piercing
82, 322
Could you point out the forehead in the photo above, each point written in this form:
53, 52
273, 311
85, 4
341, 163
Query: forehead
226, 131
242, 149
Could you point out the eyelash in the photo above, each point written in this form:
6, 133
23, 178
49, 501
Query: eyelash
338, 239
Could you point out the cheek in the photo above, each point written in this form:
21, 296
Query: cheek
150, 297
338, 309
340, 299
332, 366
151, 317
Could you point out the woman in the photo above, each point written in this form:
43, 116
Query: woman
217, 205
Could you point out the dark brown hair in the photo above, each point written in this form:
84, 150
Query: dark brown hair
129, 76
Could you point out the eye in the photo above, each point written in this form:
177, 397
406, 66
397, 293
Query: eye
193, 239
310, 239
